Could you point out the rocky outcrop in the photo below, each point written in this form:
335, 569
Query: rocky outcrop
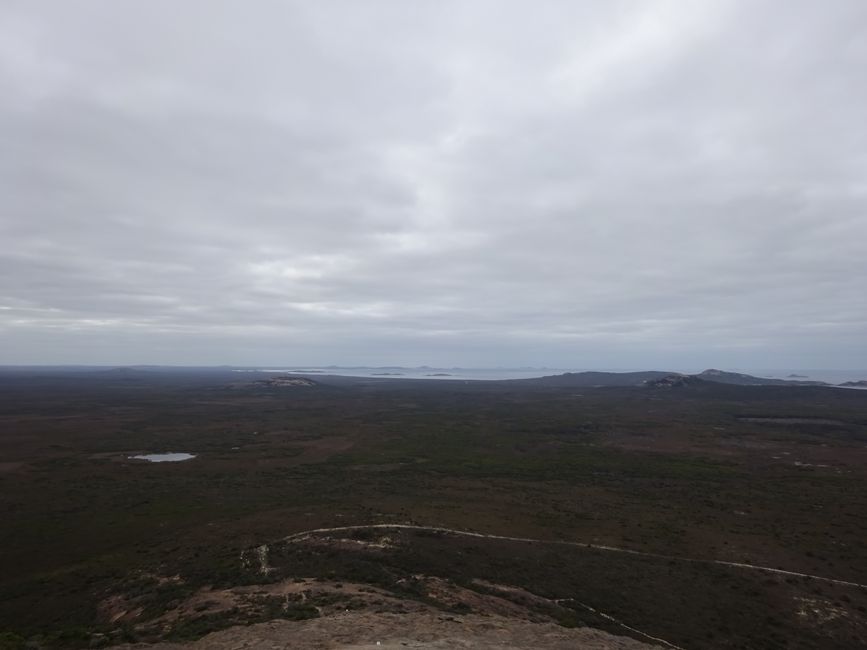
675, 381
432, 630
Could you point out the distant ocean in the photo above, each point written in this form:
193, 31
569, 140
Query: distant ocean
829, 376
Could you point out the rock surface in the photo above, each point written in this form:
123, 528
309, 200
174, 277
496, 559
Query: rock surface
675, 381
365, 630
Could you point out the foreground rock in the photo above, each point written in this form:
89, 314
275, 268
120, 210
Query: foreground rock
363, 630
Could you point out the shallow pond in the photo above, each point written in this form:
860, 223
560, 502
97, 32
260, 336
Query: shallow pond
164, 458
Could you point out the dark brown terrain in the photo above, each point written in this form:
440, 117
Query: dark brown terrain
715, 486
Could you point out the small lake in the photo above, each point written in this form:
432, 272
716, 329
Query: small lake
164, 458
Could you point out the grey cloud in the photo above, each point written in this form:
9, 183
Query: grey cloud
481, 183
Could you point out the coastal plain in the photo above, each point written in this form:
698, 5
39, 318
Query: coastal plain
703, 516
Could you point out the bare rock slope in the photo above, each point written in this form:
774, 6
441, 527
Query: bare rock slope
385, 631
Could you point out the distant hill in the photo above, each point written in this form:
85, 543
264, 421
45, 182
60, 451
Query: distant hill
659, 379
676, 381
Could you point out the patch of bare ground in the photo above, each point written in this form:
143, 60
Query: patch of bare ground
360, 630
491, 615
820, 610
118, 609
293, 598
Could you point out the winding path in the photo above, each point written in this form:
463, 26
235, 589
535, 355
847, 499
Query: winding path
598, 547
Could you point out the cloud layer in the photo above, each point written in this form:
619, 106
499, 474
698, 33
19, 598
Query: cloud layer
613, 184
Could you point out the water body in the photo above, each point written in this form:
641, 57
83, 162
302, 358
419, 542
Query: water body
829, 376
424, 372
171, 457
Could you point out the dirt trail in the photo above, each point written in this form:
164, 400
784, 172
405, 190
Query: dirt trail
599, 547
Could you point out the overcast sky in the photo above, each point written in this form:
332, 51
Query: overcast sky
478, 183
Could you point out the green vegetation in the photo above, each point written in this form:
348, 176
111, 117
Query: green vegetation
94, 544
